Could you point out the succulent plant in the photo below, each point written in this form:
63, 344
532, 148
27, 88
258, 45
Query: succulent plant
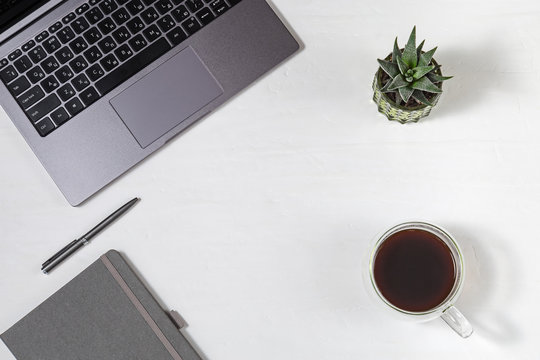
412, 74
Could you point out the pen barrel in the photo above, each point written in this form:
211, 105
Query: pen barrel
80, 243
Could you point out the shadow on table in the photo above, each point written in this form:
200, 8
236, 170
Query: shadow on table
478, 71
490, 286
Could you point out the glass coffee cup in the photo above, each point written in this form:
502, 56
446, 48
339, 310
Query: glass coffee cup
417, 270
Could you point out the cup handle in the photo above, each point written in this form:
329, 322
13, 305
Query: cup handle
457, 321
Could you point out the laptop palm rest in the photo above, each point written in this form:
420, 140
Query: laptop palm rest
165, 97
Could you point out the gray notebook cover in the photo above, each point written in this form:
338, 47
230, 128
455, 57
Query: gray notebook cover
105, 312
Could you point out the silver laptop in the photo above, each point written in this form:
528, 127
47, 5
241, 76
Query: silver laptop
95, 86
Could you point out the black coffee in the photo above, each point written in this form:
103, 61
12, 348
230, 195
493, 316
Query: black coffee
414, 270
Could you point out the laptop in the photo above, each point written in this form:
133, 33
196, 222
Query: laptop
96, 86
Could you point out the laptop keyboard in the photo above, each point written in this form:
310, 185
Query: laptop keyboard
90, 51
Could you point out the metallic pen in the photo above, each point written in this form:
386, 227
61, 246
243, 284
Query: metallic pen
76, 244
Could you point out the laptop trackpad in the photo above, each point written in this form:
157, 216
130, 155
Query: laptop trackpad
165, 97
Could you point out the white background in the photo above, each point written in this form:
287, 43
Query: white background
253, 224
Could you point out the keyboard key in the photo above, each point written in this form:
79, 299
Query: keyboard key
176, 36
74, 106
80, 82
177, 2
30, 44
49, 84
68, 18
163, 6
3, 63
219, 6
18, 86
64, 74
137, 43
109, 62
44, 127
106, 26
121, 2
121, 16
123, 52
79, 25
148, 2
89, 96
50, 65
8, 74
22, 64
43, 35
78, 64
135, 7
66, 92
108, 6
93, 54
94, 15
59, 116
95, 72
42, 108
81, 9
205, 16
181, 13
135, 25
14, 54
92, 35
149, 15
54, 28
51, 44
35, 74
132, 66
191, 26
234, 2
64, 55
121, 35
107, 44
78, 45
37, 54
152, 33
30, 97
166, 23
194, 5
65, 35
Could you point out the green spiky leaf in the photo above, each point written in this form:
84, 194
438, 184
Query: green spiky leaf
398, 82
402, 66
421, 98
436, 78
409, 55
405, 93
426, 57
396, 53
389, 67
420, 71
425, 84
419, 49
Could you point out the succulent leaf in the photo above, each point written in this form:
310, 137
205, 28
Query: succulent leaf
409, 55
403, 68
384, 89
420, 71
419, 49
389, 67
405, 93
398, 82
420, 97
425, 84
436, 78
426, 57
396, 52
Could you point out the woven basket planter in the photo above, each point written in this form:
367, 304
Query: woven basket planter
396, 112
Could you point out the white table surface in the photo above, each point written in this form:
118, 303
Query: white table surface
254, 223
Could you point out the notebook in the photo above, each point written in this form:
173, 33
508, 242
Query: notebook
105, 312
